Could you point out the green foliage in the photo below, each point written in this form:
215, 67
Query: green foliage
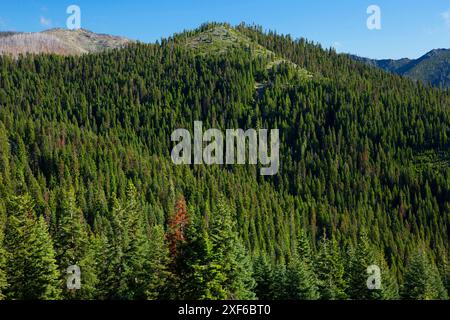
73, 247
422, 279
263, 275
203, 277
278, 287
329, 267
3, 280
361, 258
158, 260
126, 273
301, 282
32, 271
230, 255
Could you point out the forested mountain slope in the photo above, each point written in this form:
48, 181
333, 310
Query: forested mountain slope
85, 169
432, 68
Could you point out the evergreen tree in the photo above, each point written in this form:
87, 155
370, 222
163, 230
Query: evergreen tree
32, 271
73, 248
177, 228
329, 268
178, 224
445, 272
127, 249
389, 285
231, 255
362, 257
203, 279
158, 263
304, 251
279, 284
422, 279
263, 275
3, 280
301, 282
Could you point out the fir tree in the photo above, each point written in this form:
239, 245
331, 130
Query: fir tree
389, 285
422, 279
231, 255
301, 282
279, 284
263, 275
158, 263
203, 277
127, 250
73, 247
362, 257
32, 271
3, 257
329, 268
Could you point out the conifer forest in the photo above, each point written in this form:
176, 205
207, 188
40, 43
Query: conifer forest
87, 179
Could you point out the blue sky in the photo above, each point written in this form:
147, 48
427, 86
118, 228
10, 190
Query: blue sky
409, 28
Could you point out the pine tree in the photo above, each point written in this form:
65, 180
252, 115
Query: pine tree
301, 282
279, 284
445, 271
389, 286
127, 274
231, 255
73, 248
3, 280
103, 261
422, 279
32, 271
176, 228
304, 250
89, 271
158, 263
176, 238
329, 268
203, 278
362, 257
263, 276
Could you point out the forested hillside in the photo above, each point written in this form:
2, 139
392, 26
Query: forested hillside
86, 176
432, 68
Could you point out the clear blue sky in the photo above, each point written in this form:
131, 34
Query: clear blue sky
410, 28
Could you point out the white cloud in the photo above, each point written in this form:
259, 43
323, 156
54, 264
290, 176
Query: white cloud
446, 16
45, 22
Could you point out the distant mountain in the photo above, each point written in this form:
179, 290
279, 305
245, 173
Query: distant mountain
433, 67
59, 41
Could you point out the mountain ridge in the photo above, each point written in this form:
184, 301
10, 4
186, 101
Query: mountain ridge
213, 38
433, 67
59, 41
